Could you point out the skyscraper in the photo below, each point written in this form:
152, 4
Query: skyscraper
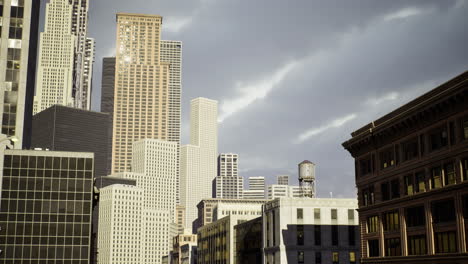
228, 184
282, 179
198, 160
20, 21
65, 79
141, 102
107, 102
46, 207
154, 166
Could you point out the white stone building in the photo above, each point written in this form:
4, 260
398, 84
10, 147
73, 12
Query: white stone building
228, 184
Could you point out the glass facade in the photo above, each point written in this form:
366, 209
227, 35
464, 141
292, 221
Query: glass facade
45, 212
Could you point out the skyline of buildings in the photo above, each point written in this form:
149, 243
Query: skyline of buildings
66, 55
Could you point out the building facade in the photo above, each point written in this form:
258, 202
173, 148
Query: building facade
276, 191
63, 128
198, 160
304, 230
46, 208
141, 95
228, 184
256, 188
107, 102
248, 241
20, 22
282, 179
179, 241
412, 177
65, 79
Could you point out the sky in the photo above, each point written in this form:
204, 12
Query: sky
295, 78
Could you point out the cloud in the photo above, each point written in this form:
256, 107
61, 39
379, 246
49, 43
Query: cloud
249, 93
176, 24
404, 13
319, 130
378, 101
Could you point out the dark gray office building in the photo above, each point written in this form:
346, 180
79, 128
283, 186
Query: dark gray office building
107, 100
62, 128
101, 182
45, 211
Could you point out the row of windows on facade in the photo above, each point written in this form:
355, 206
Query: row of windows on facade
413, 148
417, 182
52, 163
415, 218
333, 213
335, 257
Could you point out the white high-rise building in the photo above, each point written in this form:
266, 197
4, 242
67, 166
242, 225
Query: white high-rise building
256, 188
65, 57
228, 184
279, 190
120, 236
198, 160
282, 179
154, 167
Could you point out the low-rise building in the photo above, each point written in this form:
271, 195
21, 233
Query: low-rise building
277, 191
188, 254
304, 230
179, 241
248, 242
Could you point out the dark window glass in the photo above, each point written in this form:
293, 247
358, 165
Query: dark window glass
300, 257
395, 188
317, 235
300, 213
351, 236
335, 257
409, 184
365, 166
465, 206
415, 216
385, 189
438, 138
334, 214
417, 245
372, 224
17, 11
387, 158
300, 235
465, 169
420, 182
334, 235
446, 242
373, 248
318, 257
368, 196
465, 128
443, 211
410, 149
392, 247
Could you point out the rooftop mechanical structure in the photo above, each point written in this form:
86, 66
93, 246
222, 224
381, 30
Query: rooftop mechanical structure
307, 179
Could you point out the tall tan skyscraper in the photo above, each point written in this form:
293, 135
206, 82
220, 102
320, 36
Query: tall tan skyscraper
141, 96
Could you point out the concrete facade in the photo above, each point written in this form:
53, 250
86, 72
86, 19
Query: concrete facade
228, 184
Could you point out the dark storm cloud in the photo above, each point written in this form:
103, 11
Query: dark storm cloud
294, 78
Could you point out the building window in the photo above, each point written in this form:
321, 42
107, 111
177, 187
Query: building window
410, 149
392, 247
443, 211
317, 235
317, 213
465, 128
409, 185
465, 206
436, 178
384, 188
415, 216
391, 221
335, 257
373, 248
365, 166
334, 234
300, 257
334, 214
446, 242
372, 224
318, 257
300, 213
300, 235
352, 257
417, 245
438, 138
465, 169
351, 236
368, 196
420, 182
351, 214
387, 158
395, 189
449, 174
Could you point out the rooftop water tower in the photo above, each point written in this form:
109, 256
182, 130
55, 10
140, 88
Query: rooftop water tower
307, 178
